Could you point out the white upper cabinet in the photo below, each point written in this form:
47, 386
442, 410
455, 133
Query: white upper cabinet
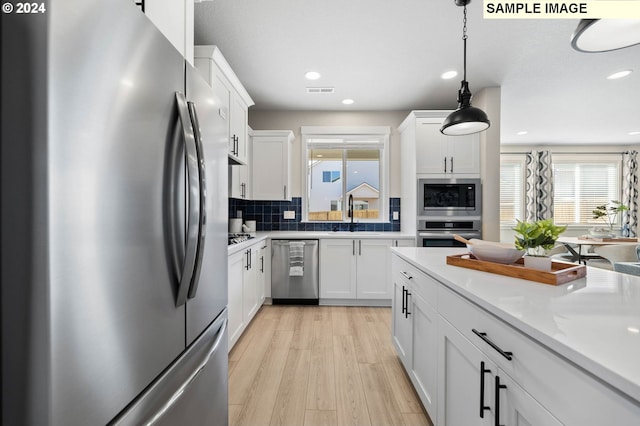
235, 99
174, 18
271, 164
435, 153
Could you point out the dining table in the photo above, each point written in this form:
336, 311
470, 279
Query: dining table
571, 243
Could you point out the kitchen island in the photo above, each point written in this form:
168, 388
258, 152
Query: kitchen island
567, 354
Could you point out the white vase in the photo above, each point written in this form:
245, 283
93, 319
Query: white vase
541, 263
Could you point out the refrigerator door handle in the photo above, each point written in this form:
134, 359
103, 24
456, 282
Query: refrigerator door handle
202, 189
193, 209
192, 377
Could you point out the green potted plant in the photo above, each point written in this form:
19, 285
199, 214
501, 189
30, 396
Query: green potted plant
608, 213
536, 238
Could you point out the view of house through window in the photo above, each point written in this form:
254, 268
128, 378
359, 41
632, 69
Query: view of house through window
344, 167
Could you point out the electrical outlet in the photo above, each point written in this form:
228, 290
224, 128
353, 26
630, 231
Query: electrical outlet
290, 214
396, 215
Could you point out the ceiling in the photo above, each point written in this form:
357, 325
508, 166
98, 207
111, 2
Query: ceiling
389, 55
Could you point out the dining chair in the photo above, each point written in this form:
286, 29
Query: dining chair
614, 253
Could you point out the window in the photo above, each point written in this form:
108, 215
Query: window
582, 182
512, 187
341, 163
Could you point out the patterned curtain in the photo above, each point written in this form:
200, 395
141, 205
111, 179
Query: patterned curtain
539, 186
630, 193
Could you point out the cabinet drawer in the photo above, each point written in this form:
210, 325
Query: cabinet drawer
415, 279
568, 392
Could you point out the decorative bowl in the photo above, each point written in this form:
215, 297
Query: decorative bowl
495, 252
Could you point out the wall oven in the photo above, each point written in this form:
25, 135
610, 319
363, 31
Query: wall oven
439, 233
449, 197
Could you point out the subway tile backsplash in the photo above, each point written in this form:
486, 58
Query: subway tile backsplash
269, 216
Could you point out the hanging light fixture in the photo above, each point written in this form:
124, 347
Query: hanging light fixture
603, 35
466, 119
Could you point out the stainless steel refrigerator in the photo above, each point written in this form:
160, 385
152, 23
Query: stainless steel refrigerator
114, 205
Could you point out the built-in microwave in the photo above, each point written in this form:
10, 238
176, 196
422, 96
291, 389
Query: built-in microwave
449, 197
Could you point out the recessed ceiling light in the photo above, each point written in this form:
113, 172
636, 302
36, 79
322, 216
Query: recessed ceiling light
319, 155
347, 101
524, 132
633, 330
619, 74
634, 133
312, 75
449, 74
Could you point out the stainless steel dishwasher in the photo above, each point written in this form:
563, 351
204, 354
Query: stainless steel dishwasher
294, 272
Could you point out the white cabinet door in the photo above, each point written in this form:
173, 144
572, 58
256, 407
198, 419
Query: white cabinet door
432, 155
238, 182
424, 347
404, 242
238, 122
271, 165
373, 274
460, 397
236, 265
401, 322
445, 155
515, 406
261, 273
249, 289
338, 269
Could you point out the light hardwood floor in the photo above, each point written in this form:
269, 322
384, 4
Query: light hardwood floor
320, 365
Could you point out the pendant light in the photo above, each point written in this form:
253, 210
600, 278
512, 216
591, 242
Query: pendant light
466, 119
603, 35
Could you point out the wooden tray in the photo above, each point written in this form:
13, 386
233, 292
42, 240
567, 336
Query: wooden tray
560, 273
609, 239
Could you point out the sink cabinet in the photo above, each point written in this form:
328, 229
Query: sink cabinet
356, 269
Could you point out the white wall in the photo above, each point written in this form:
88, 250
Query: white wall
293, 120
488, 100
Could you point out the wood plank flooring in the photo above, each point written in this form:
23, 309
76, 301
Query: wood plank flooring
320, 366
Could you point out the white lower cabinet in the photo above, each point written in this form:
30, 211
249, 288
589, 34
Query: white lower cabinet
414, 330
235, 304
474, 391
355, 269
487, 372
246, 288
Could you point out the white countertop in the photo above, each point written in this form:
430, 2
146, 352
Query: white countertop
304, 235
594, 322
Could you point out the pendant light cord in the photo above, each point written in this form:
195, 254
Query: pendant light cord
464, 40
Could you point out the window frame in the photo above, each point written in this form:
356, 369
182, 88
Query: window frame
349, 133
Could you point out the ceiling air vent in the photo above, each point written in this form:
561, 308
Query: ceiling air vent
320, 89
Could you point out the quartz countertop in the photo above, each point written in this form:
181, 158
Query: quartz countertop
593, 322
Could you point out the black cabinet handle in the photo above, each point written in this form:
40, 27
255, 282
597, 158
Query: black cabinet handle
404, 301
250, 265
261, 263
483, 336
451, 164
445, 164
246, 260
497, 404
406, 312
482, 406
